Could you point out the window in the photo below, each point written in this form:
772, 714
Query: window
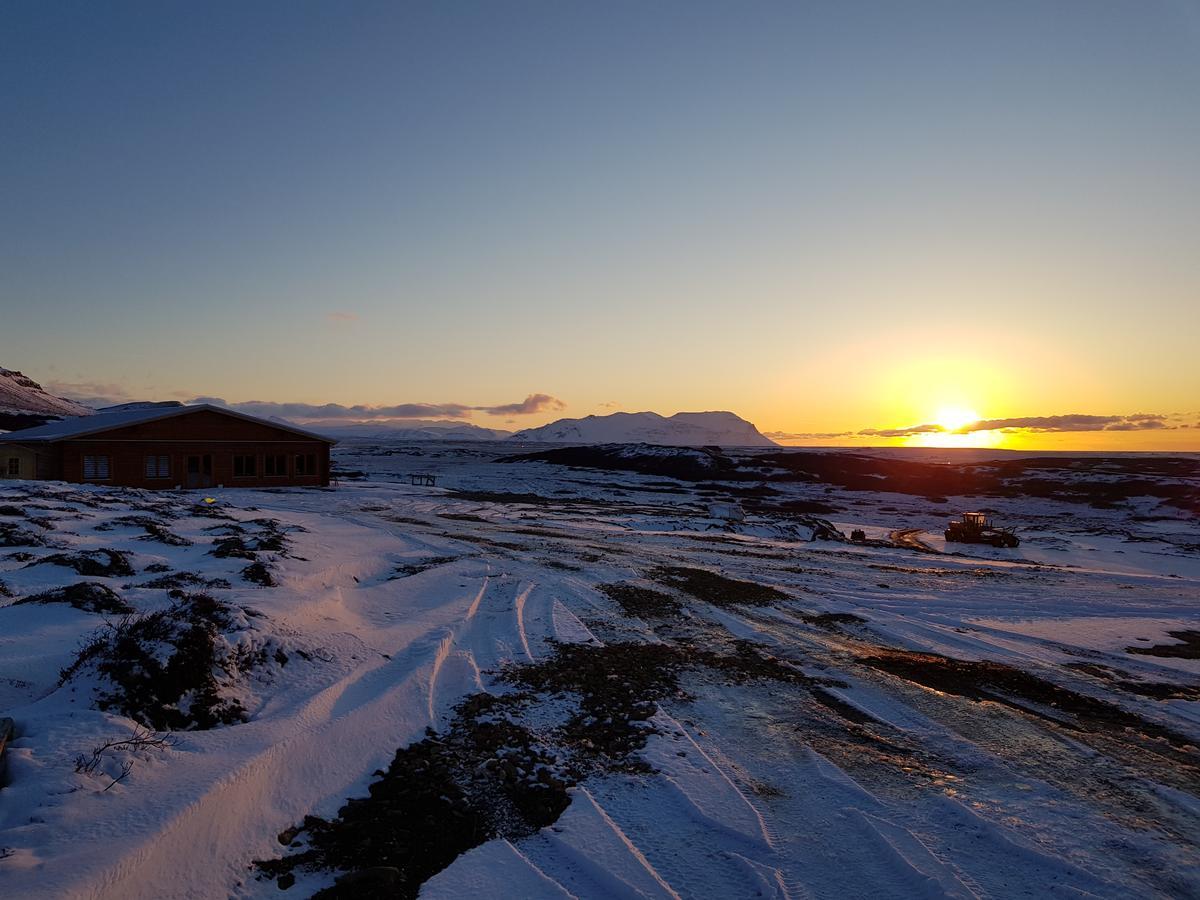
306, 464
158, 467
275, 464
96, 468
14, 466
245, 466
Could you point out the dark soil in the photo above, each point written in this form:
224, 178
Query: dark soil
716, 589
1098, 481
484, 777
88, 596
643, 602
847, 711
832, 620
1188, 649
1159, 690
409, 569
93, 563
1118, 678
488, 776
688, 464
999, 683
178, 693
619, 685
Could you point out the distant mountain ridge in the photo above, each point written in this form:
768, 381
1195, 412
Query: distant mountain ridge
24, 403
685, 429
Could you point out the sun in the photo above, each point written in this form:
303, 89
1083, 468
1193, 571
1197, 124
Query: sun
952, 418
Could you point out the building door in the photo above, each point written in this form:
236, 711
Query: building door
199, 471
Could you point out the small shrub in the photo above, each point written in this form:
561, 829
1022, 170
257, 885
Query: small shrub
93, 563
89, 596
158, 669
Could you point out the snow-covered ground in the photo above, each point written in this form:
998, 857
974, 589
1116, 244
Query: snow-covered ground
812, 746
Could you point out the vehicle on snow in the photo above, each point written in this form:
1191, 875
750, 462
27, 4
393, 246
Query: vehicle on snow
977, 528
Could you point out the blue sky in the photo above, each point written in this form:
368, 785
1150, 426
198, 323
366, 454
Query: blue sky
664, 206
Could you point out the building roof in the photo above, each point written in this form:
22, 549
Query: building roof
82, 426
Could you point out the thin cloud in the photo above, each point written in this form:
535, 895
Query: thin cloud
806, 435
360, 412
931, 428
1070, 422
90, 393
340, 316
534, 403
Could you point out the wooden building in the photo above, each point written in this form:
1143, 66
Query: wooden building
198, 446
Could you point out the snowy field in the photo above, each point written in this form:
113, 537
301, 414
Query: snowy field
663, 697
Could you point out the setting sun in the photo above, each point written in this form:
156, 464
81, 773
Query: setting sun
953, 418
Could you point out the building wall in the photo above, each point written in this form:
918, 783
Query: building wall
29, 462
127, 462
202, 433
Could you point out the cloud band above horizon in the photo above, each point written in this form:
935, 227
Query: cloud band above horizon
531, 405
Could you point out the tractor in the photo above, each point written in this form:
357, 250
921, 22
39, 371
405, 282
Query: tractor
977, 528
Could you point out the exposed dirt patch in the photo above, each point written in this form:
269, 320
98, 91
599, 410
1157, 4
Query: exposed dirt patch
1188, 648
716, 589
642, 602
832, 620
484, 777
93, 563
617, 685
985, 680
1159, 690
409, 569
88, 596
489, 775
847, 711
1120, 679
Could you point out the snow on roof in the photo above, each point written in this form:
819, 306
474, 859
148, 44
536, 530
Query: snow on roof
79, 426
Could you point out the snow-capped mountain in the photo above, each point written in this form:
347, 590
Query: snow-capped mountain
685, 429
25, 403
